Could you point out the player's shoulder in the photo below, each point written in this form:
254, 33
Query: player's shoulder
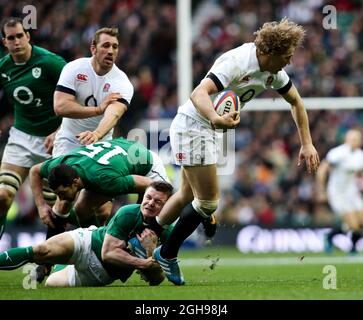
338, 151
42, 52
241, 57
129, 211
5, 61
81, 63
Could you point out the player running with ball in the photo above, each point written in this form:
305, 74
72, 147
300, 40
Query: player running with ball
248, 70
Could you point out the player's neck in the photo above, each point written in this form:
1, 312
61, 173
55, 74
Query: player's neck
25, 57
97, 68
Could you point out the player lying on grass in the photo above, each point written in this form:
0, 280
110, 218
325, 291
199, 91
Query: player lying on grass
88, 177
98, 256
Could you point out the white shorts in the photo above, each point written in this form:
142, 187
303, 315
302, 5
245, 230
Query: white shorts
64, 144
85, 269
157, 171
192, 142
345, 203
24, 150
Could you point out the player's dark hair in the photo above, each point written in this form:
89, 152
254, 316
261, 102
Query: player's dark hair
61, 175
113, 32
11, 22
162, 186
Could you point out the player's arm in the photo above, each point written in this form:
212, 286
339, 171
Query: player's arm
320, 181
66, 105
36, 184
114, 253
112, 114
202, 101
299, 114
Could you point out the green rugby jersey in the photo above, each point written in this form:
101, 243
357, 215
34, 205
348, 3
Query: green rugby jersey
106, 166
30, 87
124, 225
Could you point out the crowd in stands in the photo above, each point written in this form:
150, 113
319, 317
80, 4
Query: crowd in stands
268, 187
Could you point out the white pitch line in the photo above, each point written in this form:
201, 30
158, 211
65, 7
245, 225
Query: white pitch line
271, 261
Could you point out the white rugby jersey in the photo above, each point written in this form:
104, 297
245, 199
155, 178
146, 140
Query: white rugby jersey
238, 70
345, 164
79, 79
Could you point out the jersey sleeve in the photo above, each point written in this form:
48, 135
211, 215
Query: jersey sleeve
45, 168
55, 65
126, 90
223, 71
66, 82
121, 225
48, 165
281, 81
333, 156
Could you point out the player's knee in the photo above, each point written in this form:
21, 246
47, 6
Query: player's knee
57, 279
205, 207
49, 196
42, 253
10, 182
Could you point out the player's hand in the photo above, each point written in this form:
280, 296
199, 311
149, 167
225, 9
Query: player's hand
228, 121
311, 157
148, 240
49, 142
147, 263
112, 97
88, 137
46, 215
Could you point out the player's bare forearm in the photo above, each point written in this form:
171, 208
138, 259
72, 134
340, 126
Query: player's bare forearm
114, 253
302, 123
36, 185
111, 116
201, 100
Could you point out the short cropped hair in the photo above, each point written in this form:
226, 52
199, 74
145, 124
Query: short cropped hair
162, 186
113, 32
279, 37
61, 175
11, 22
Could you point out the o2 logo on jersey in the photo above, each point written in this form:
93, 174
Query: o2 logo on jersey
24, 95
81, 77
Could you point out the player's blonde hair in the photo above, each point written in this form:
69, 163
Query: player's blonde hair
279, 37
113, 32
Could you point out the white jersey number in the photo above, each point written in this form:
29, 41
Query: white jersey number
99, 147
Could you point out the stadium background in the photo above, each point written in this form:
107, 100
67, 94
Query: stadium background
267, 189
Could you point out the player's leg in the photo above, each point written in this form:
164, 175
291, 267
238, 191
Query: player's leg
11, 178
60, 218
351, 220
177, 202
58, 249
204, 183
59, 278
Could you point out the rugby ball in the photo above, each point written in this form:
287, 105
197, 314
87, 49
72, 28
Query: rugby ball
226, 101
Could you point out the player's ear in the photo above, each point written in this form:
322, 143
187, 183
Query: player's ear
27, 34
93, 49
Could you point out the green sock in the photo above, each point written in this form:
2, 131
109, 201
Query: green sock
16, 257
2, 224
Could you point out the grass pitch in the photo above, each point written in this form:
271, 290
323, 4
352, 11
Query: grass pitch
220, 273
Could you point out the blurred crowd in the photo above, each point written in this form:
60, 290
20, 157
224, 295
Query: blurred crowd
268, 188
